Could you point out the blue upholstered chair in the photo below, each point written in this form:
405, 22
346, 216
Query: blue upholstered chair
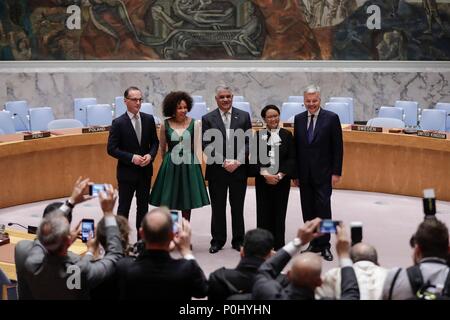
433, 119
245, 106
238, 99
391, 112
411, 110
342, 109
348, 100
79, 108
121, 107
19, 113
99, 115
290, 109
446, 107
387, 123
198, 110
40, 118
64, 124
6, 122
198, 99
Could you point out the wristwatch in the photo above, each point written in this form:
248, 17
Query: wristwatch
71, 206
280, 176
297, 242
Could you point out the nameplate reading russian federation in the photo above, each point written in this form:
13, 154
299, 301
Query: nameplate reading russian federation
366, 128
432, 134
36, 135
95, 129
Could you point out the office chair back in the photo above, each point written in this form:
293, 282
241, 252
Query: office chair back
446, 107
290, 109
40, 118
198, 99
19, 113
121, 107
99, 115
411, 110
387, 123
391, 112
433, 119
342, 109
6, 122
198, 110
79, 108
64, 124
350, 102
238, 99
245, 106
298, 99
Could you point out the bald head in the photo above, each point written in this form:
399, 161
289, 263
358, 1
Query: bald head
157, 226
363, 252
305, 270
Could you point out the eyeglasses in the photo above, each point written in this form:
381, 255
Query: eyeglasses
135, 99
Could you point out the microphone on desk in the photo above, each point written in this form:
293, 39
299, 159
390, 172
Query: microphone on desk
30, 229
21, 120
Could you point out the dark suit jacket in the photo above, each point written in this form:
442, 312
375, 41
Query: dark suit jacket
123, 143
286, 153
155, 275
267, 288
239, 120
323, 157
45, 276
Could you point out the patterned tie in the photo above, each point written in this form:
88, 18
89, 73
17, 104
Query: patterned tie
310, 132
137, 128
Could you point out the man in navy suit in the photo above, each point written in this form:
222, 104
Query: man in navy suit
133, 141
319, 149
226, 169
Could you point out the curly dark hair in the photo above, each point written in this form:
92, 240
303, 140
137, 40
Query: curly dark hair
172, 100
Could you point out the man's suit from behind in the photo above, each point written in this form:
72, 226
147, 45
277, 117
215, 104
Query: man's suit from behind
155, 275
316, 163
266, 286
220, 180
44, 276
122, 145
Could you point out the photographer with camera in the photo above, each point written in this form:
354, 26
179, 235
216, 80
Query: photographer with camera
50, 271
430, 253
305, 273
154, 274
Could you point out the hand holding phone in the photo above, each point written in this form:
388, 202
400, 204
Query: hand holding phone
87, 229
328, 226
176, 220
95, 189
356, 232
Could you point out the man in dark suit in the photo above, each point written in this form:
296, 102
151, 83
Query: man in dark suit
305, 273
154, 274
227, 149
319, 149
47, 270
223, 283
133, 141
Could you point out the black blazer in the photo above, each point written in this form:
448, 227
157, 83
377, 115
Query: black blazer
239, 120
323, 157
155, 275
123, 143
286, 153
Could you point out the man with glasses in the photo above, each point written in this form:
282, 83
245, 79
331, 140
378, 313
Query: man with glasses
134, 143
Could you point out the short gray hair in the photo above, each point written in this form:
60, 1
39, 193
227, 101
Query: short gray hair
312, 88
363, 252
53, 230
222, 88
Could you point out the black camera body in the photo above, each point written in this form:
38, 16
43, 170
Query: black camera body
429, 203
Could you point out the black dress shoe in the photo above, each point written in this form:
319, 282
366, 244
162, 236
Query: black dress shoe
214, 249
311, 248
237, 247
327, 255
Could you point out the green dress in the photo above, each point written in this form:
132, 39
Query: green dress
179, 185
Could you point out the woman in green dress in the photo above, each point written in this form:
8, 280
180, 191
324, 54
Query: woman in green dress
179, 184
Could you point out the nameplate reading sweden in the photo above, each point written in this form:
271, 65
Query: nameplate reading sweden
367, 128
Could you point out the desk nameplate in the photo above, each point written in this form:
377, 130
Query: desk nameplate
432, 134
95, 129
36, 135
366, 128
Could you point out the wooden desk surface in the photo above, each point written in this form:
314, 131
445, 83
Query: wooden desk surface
47, 168
7, 251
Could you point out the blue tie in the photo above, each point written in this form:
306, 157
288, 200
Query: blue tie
310, 132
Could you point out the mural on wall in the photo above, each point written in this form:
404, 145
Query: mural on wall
224, 29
